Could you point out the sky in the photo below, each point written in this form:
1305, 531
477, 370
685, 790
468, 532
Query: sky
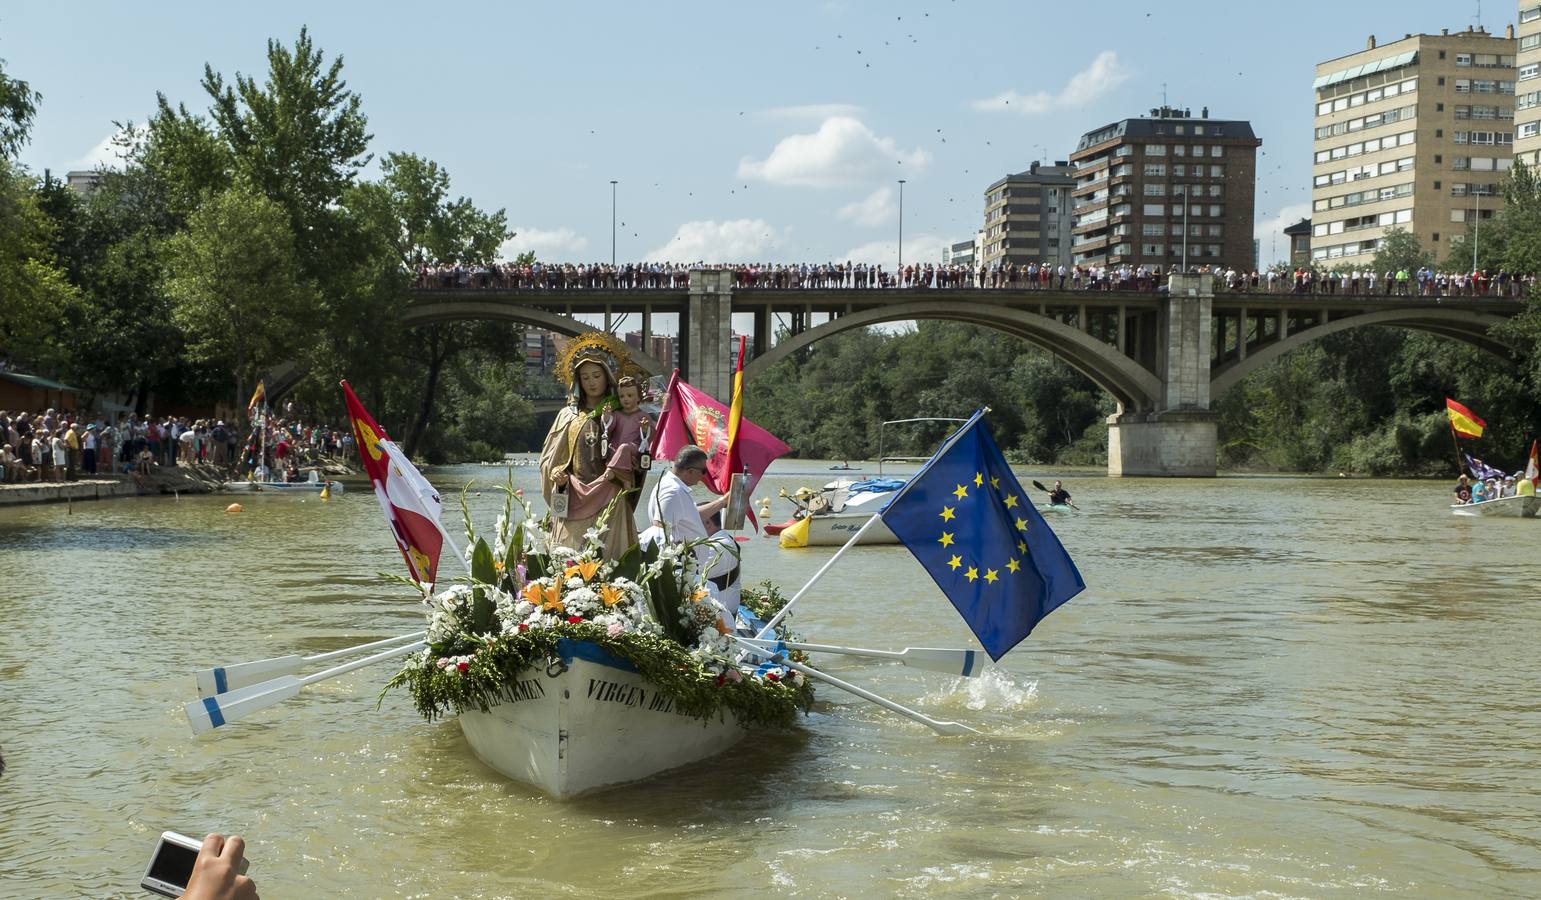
736, 132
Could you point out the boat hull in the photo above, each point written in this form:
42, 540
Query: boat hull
1503, 507
834, 529
279, 487
595, 724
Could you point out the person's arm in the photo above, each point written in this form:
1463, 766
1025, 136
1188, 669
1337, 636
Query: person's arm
709, 508
217, 873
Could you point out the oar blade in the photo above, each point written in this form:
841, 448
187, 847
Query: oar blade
952, 729
963, 663
210, 713
223, 679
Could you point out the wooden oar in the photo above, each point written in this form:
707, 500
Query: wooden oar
937, 725
214, 712
223, 679
965, 663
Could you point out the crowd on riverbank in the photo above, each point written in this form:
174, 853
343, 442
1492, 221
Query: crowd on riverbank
63, 445
1422, 282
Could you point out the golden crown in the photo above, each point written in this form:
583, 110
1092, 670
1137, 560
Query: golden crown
597, 347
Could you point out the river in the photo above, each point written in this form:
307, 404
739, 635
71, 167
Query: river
1278, 687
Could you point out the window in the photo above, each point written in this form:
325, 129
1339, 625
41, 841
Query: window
1217, 150
1153, 209
1153, 249
1217, 171
1153, 229
1179, 170
1216, 230
1463, 59
1156, 189
1530, 71
1530, 41
1180, 150
1216, 210
1155, 150
1155, 170
1530, 15
1528, 129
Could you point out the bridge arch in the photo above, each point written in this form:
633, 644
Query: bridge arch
1134, 387
1464, 325
284, 377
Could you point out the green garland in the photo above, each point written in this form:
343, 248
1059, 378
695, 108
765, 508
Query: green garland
494, 670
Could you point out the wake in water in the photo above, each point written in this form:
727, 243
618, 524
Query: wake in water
994, 691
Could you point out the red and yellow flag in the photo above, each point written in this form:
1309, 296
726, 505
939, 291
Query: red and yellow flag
411, 505
257, 398
1463, 421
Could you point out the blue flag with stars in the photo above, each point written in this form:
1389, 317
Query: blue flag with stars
978, 535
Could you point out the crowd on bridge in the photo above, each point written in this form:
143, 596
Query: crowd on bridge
1423, 282
62, 445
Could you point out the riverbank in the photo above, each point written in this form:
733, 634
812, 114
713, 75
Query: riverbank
168, 480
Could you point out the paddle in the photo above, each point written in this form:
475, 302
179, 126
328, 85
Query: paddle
214, 712
223, 679
965, 663
940, 727
1039, 485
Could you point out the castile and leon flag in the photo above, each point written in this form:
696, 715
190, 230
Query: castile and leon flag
412, 506
691, 416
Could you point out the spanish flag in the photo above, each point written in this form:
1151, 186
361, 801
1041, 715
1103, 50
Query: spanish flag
1463, 421
257, 397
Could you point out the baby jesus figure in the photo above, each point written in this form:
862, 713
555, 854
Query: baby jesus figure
625, 434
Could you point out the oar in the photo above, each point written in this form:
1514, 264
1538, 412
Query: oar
223, 679
1039, 485
213, 712
940, 727
966, 663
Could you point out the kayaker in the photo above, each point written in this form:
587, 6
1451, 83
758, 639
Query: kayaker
1059, 496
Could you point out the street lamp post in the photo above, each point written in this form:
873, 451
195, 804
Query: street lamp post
899, 272
612, 223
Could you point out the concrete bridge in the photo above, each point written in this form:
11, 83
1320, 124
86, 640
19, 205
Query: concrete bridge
1163, 356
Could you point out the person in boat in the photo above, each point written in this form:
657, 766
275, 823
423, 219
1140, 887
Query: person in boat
575, 459
1523, 487
1059, 496
1479, 492
1463, 490
722, 568
672, 510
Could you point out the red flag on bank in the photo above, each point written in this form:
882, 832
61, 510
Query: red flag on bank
412, 507
1533, 467
690, 416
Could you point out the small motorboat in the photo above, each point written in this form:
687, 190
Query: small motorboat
829, 516
1503, 507
315, 485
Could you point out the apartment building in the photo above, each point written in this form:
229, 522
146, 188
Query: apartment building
1415, 134
1027, 217
1527, 87
1161, 190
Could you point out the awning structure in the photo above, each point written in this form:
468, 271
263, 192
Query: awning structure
36, 381
1379, 65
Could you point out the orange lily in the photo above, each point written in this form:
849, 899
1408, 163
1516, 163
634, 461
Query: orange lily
611, 595
587, 569
698, 596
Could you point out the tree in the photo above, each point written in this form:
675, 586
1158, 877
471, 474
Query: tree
18, 106
239, 291
1399, 249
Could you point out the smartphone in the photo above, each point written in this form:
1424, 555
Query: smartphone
171, 865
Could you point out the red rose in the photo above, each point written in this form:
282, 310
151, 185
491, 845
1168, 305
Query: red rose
573, 620
463, 666
772, 676
523, 627
721, 679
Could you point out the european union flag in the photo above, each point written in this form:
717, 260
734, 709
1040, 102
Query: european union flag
977, 533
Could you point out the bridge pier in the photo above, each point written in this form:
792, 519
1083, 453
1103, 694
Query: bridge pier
707, 360
1178, 439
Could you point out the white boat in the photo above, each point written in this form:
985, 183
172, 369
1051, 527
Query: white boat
1058, 508
1509, 507
589, 723
284, 487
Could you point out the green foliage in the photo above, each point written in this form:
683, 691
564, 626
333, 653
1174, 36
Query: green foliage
1399, 250
496, 668
829, 401
35, 292
18, 106
237, 287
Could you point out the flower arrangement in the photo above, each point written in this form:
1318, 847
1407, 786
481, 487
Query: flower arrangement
650, 608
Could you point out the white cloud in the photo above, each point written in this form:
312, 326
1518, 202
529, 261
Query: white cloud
921, 248
554, 244
734, 240
1270, 232
843, 151
108, 153
878, 208
811, 111
1102, 76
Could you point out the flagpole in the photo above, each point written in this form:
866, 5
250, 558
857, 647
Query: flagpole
1460, 466
665, 414
946, 445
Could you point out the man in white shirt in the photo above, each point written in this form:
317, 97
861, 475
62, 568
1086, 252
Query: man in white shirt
672, 510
